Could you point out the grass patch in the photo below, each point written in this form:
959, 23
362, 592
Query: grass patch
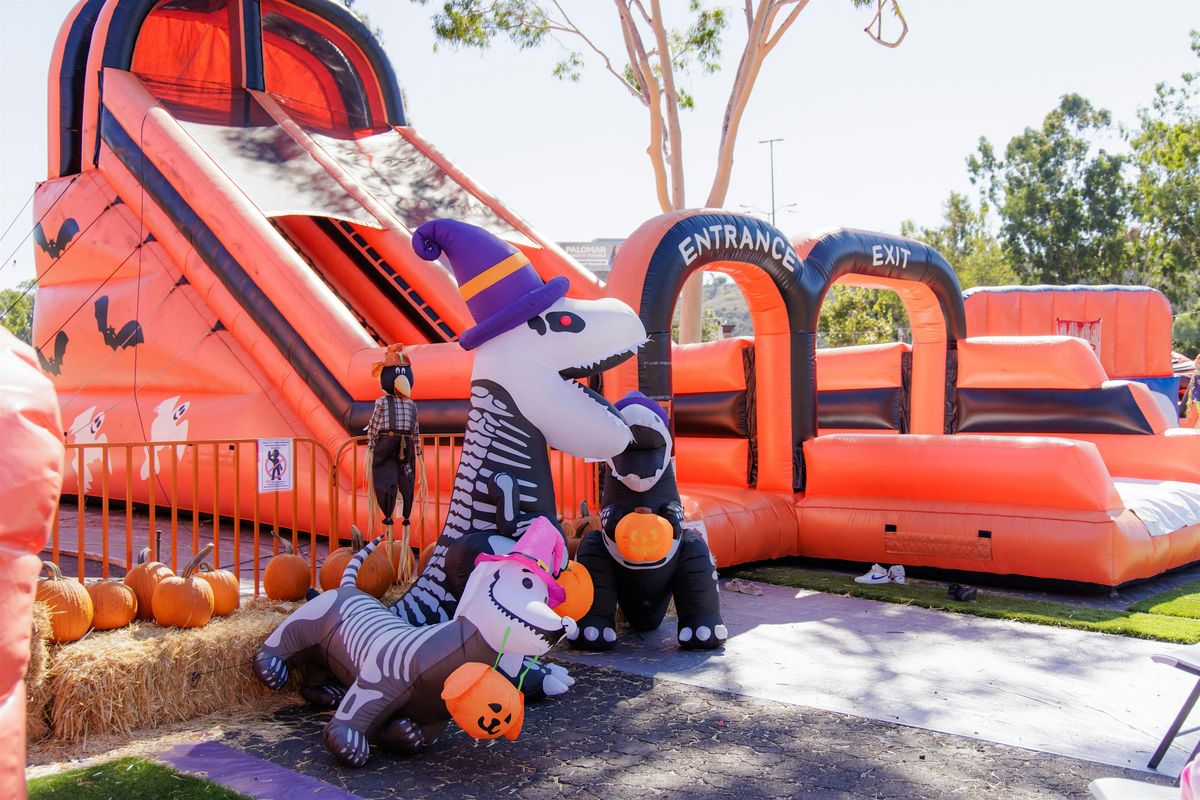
1147, 623
128, 779
1181, 602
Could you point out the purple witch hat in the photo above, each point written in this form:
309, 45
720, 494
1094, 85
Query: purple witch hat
501, 287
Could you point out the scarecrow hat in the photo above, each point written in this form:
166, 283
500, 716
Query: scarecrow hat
500, 286
541, 548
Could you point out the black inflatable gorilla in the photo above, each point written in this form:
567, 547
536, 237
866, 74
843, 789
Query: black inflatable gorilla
643, 477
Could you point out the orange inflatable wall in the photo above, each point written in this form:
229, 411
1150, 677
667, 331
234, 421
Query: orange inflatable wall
1135, 322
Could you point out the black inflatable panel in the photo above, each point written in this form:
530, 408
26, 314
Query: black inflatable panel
1112, 410
711, 414
861, 409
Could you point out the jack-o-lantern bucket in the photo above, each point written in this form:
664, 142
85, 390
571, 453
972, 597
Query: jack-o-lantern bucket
644, 537
484, 702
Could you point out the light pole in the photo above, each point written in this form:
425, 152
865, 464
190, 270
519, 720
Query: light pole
771, 144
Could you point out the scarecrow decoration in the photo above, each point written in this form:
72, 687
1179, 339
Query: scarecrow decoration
394, 466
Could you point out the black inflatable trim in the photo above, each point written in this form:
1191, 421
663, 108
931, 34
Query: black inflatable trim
862, 409
71, 77
1109, 410
720, 414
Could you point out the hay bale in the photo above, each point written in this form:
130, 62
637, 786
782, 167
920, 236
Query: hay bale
145, 676
39, 647
37, 694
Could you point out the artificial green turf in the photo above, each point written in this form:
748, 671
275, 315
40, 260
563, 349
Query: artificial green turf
1181, 602
127, 779
1177, 628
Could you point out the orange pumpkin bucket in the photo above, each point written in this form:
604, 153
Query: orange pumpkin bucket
483, 702
644, 537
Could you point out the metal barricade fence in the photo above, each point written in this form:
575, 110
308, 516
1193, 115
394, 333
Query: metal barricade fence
175, 497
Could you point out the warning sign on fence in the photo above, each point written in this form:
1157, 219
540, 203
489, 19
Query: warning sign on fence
274, 465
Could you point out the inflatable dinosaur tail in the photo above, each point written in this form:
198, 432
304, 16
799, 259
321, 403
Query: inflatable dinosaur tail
350, 576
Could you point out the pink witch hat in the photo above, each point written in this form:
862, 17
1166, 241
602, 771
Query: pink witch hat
541, 548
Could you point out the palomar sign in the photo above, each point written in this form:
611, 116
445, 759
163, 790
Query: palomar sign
728, 235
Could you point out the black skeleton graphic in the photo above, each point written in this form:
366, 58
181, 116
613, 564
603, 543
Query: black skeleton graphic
395, 671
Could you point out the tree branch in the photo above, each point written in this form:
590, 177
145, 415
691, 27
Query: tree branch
576, 30
671, 107
770, 43
653, 93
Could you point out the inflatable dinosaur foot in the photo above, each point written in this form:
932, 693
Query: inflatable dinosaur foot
347, 744
596, 634
270, 670
701, 633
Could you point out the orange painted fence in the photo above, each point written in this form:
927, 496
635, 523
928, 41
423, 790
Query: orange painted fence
175, 497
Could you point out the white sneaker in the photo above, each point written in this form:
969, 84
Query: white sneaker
896, 574
877, 574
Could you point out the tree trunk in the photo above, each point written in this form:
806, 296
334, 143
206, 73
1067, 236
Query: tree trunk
691, 309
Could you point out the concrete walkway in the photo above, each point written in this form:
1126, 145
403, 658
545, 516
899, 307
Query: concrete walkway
1084, 695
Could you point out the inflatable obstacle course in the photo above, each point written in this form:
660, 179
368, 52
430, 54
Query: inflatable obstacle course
224, 248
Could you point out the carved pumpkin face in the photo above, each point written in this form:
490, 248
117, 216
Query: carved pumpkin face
644, 537
483, 702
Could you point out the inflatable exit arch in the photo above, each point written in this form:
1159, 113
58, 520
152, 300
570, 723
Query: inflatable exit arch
784, 286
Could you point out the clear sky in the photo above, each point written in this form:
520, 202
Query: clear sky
872, 136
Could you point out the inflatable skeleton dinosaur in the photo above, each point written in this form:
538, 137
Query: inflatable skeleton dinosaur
395, 671
643, 477
530, 345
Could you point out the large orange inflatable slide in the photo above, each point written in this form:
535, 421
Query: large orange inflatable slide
224, 248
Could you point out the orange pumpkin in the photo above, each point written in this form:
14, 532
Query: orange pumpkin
643, 536
114, 605
334, 565
185, 601
287, 576
483, 702
226, 588
576, 581
375, 576
144, 579
70, 605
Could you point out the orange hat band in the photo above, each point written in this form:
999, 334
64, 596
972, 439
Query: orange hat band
493, 275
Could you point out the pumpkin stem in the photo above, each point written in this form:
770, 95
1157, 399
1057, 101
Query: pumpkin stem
284, 544
195, 562
143, 556
356, 539
643, 510
583, 508
55, 572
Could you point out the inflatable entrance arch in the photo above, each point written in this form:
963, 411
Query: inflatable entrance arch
784, 286
648, 274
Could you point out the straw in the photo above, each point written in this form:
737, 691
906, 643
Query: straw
145, 676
